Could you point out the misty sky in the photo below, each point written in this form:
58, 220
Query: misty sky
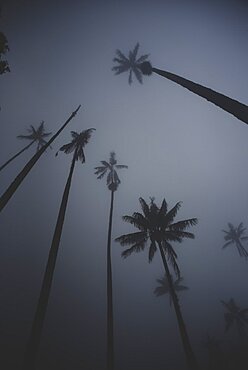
176, 145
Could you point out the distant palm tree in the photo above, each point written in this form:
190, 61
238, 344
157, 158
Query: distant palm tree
234, 236
113, 182
164, 288
35, 136
27, 168
76, 146
156, 227
236, 315
142, 66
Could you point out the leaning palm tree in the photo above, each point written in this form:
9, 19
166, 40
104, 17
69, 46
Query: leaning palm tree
164, 288
110, 169
76, 146
35, 136
236, 315
234, 236
140, 66
27, 168
156, 226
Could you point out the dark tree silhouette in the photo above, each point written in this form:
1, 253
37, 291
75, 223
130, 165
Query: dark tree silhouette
77, 147
215, 353
113, 182
156, 226
164, 288
144, 67
4, 47
236, 315
234, 236
27, 168
35, 135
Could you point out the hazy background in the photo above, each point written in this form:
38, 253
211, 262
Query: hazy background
176, 145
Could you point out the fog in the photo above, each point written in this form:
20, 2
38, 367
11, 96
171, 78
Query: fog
177, 146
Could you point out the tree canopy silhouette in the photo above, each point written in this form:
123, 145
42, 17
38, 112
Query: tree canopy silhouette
236, 316
35, 136
164, 288
156, 228
234, 236
141, 66
110, 169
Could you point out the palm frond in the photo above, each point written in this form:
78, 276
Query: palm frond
119, 166
145, 207
135, 221
137, 247
138, 75
169, 217
227, 244
142, 58
132, 238
182, 225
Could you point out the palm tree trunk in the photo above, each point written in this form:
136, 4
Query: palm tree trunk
16, 155
36, 331
190, 357
232, 106
110, 318
21, 176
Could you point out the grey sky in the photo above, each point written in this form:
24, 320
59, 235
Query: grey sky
176, 145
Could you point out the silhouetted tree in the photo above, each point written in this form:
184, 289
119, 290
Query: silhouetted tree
215, 353
35, 136
76, 146
156, 227
4, 48
164, 288
236, 315
234, 236
141, 66
113, 182
27, 168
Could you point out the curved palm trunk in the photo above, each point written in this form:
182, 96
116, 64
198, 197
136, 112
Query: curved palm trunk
36, 331
230, 105
190, 357
242, 251
26, 169
110, 319
16, 155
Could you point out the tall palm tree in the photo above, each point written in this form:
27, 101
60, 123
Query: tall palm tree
27, 168
236, 315
34, 136
4, 48
76, 146
142, 66
110, 168
156, 226
234, 236
164, 288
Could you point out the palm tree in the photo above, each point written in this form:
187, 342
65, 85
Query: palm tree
144, 67
236, 315
234, 236
35, 135
77, 147
27, 168
164, 288
156, 226
113, 182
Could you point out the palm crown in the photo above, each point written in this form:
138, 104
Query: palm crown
164, 288
156, 226
110, 167
130, 63
235, 315
79, 140
36, 135
234, 236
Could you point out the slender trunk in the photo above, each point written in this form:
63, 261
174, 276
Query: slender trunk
242, 251
16, 155
36, 331
230, 105
190, 357
110, 319
26, 169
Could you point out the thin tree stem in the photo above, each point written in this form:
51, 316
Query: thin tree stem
190, 357
230, 105
16, 155
36, 331
110, 317
27, 168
